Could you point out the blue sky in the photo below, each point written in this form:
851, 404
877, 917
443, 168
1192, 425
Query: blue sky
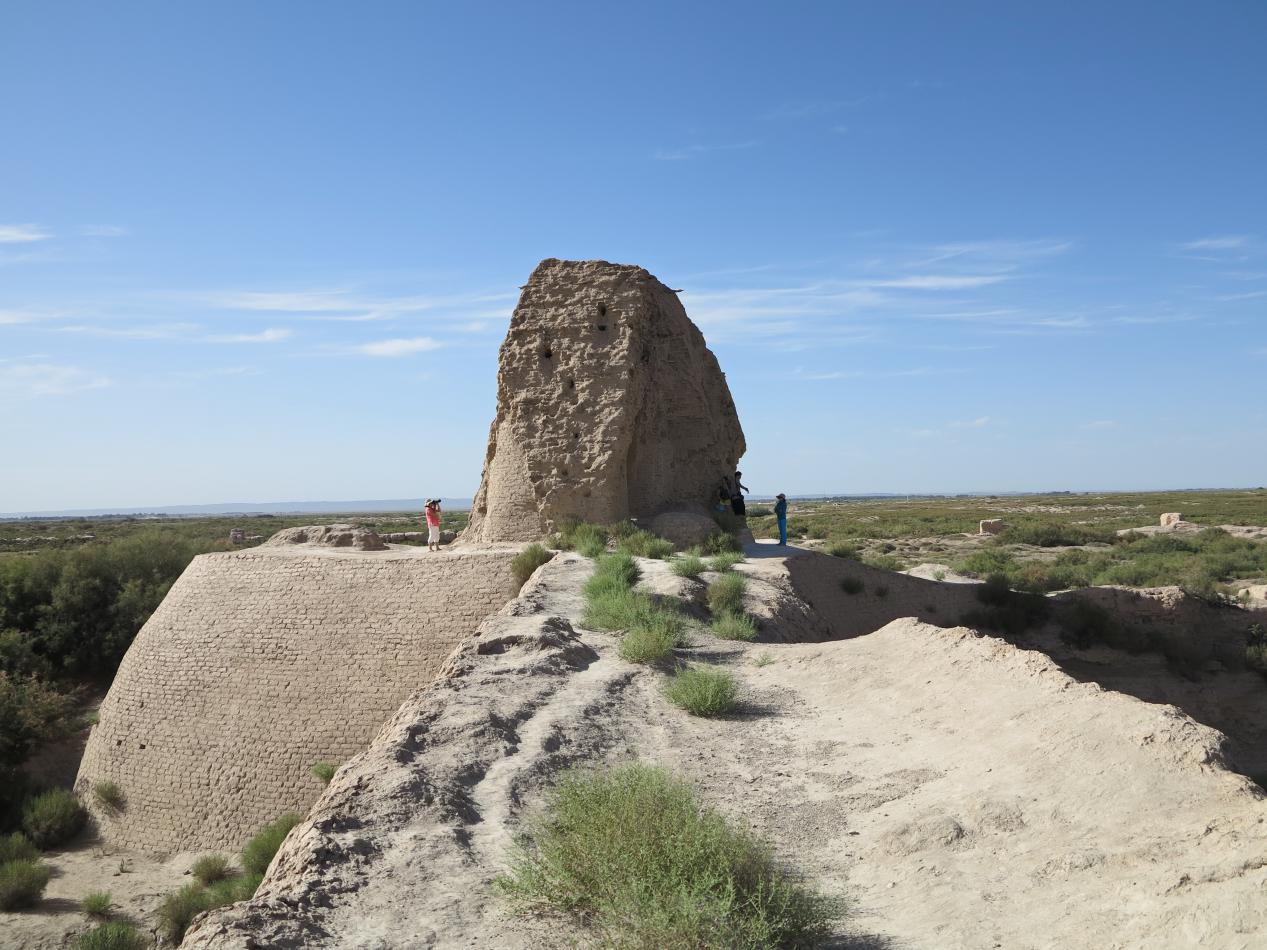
268, 251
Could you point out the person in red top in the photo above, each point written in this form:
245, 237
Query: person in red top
433, 524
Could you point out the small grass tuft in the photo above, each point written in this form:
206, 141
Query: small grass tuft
724, 562
843, 550
725, 595
17, 847
96, 904
114, 935
881, 591
703, 690
178, 910
211, 868
764, 659
645, 544
631, 852
22, 883
53, 817
108, 795
259, 851
527, 561
733, 626
324, 771
688, 565
851, 585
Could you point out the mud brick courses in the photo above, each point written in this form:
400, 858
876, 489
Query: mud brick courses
260, 663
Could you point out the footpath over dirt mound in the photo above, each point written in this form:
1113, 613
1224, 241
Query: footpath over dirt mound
957, 791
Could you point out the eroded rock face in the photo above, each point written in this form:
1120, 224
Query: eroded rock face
329, 535
609, 406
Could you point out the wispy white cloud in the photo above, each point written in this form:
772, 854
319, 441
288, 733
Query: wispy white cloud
102, 230
274, 335
346, 305
800, 373
22, 233
1224, 242
402, 347
1251, 295
978, 423
989, 255
938, 282
694, 151
147, 331
26, 380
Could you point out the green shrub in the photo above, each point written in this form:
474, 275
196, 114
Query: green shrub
760, 511
211, 868
646, 544
96, 904
114, 935
323, 771
527, 561
22, 884
851, 585
733, 626
765, 659
108, 795
881, 591
885, 562
721, 563
720, 542
53, 817
621, 529
618, 571
17, 847
725, 595
239, 887
987, 561
1256, 648
1008, 611
702, 690
687, 565
259, 851
633, 854
648, 644
842, 549
1051, 534
178, 910
32, 712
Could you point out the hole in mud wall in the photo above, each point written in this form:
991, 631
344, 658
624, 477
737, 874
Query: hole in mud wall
547, 353
602, 310
602, 327
571, 384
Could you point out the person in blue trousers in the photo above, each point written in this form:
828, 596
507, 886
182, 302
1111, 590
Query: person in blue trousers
780, 512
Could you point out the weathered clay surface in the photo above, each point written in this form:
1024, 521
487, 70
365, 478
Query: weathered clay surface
258, 664
609, 406
330, 536
958, 791
684, 528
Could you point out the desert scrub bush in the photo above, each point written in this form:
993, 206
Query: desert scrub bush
259, 851
633, 854
1008, 611
178, 909
108, 795
851, 585
722, 563
1053, 534
702, 690
211, 868
725, 595
734, 626
645, 544
986, 562
843, 549
687, 565
885, 562
1256, 648
621, 529
96, 904
22, 883
53, 817
17, 847
719, 542
765, 659
324, 771
527, 561
652, 639
881, 591
114, 935
581, 537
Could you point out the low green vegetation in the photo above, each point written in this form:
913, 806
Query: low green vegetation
645, 544
1006, 610
323, 771
633, 855
703, 690
764, 659
526, 562
17, 847
581, 537
725, 595
22, 883
211, 868
651, 629
108, 795
851, 585
53, 818
688, 565
734, 626
724, 562
721, 542
259, 851
1256, 648
843, 549
113, 935
96, 904
217, 884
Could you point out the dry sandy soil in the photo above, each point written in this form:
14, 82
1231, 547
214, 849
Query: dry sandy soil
954, 789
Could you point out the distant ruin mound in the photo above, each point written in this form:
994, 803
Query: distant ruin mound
330, 536
609, 406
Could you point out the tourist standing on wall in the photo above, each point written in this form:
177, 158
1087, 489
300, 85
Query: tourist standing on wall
736, 497
780, 513
433, 524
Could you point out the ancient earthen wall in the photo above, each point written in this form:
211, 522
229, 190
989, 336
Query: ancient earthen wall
260, 663
609, 406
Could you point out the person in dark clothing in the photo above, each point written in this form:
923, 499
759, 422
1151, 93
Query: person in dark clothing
736, 497
780, 513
